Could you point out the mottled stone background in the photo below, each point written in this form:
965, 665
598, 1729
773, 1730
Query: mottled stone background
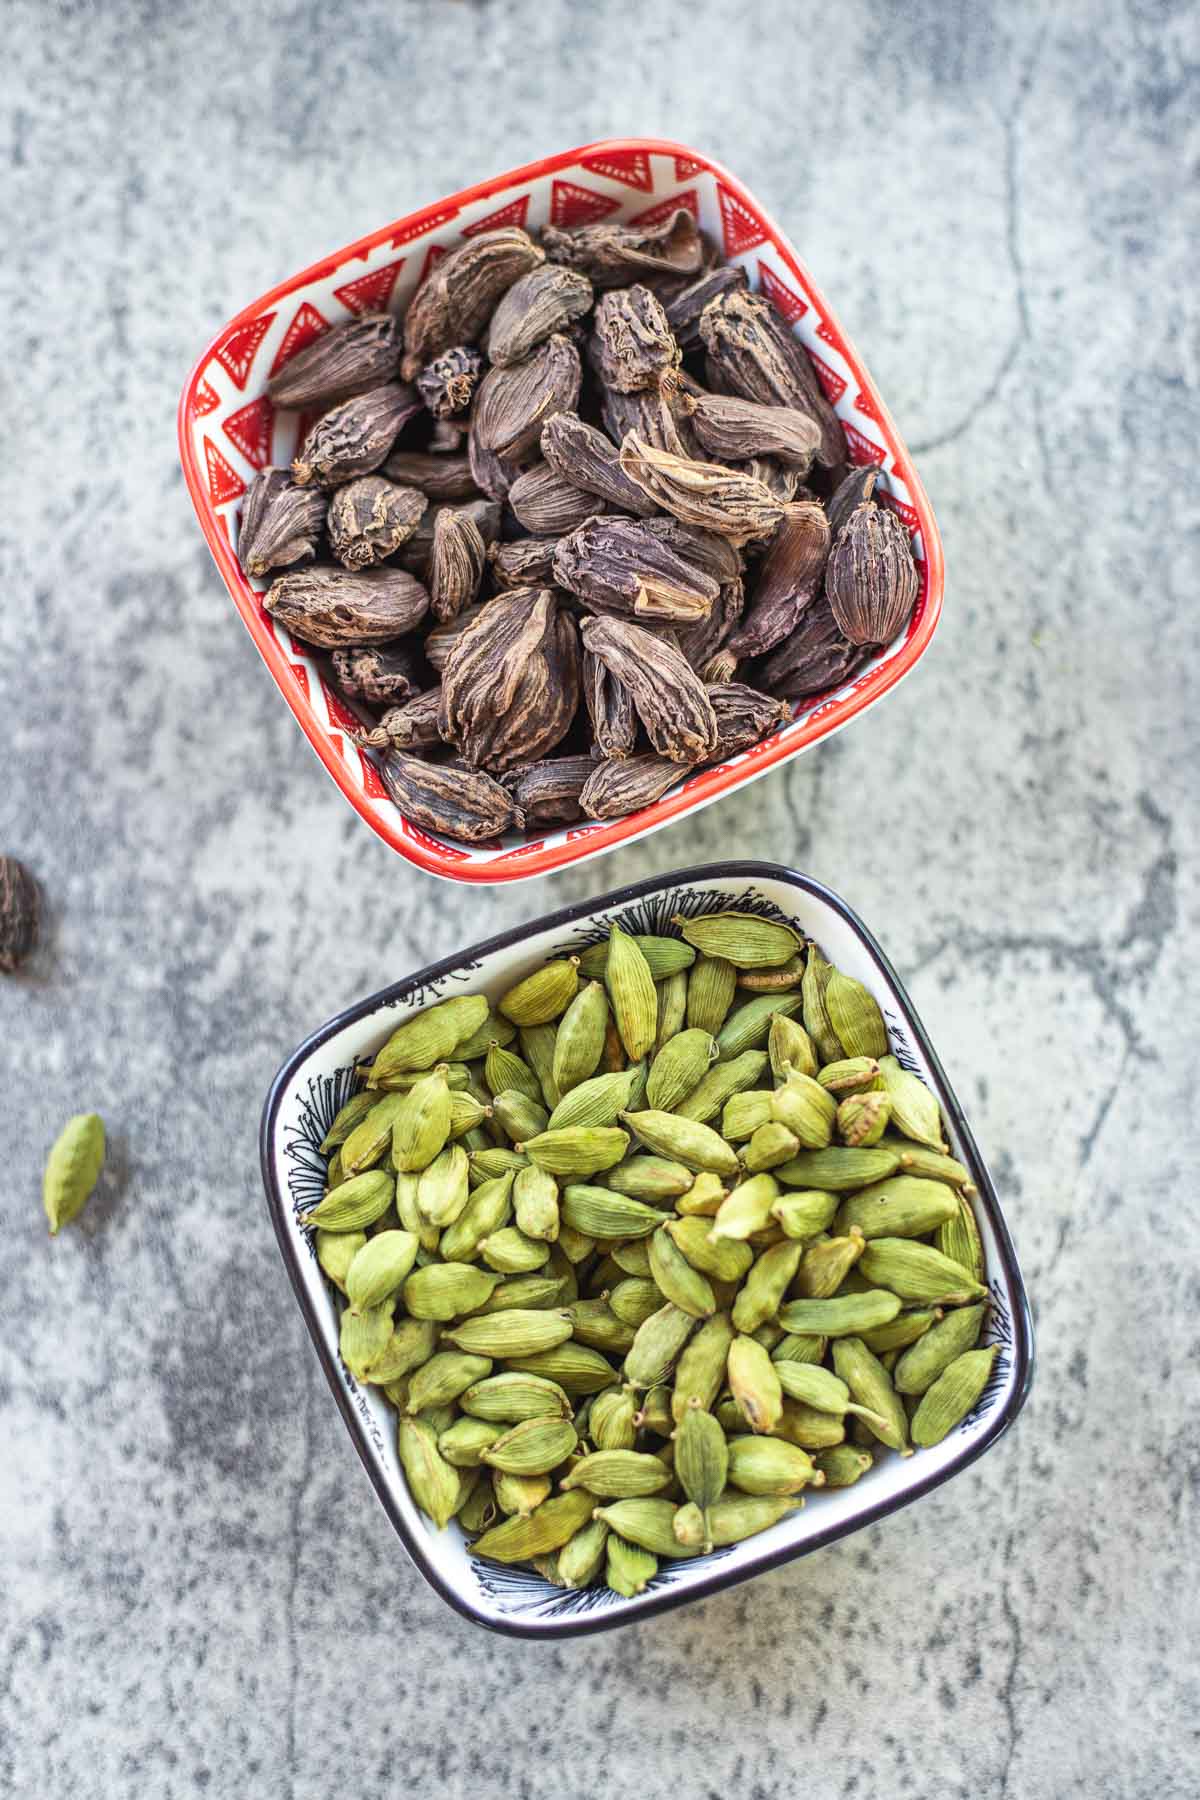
199, 1593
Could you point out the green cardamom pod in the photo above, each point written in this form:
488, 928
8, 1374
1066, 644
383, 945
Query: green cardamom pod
741, 1516
363, 1336
533, 1293
918, 1273
582, 1557
512, 1253
504, 1070
749, 1026
380, 1268
542, 996
647, 1178
672, 1007
443, 1189
486, 1211
931, 1165
355, 1204
816, 1014
855, 1016
743, 939
446, 1291
462, 1446
631, 994
872, 1387
366, 1144
771, 1145
533, 1447
645, 1522
573, 1366
336, 1251
656, 1346
600, 1213
577, 1150
849, 1315
711, 986
628, 1569
807, 1109
346, 1118
743, 1114
769, 1466
704, 1198
579, 1044
611, 1420
754, 1384
618, 1474
839, 1171
510, 1398
412, 1343
535, 1201
701, 1459
956, 1390
801, 1347
677, 1280
746, 1209
594, 1323
420, 1124
443, 1378
678, 1067
902, 1206
434, 1483
431, 1036
902, 1331
493, 1030
700, 1371
666, 956
810, 1429
765, 1285
958, 1238
519, 1494
634, 1299
519, 1116
790, 1047
723, 1080
598, 1101
862, 1119
842, 1464
915, 1111
683, 1140
805, 1212
931, 1355
548, 1527
487, 1164
508, 1335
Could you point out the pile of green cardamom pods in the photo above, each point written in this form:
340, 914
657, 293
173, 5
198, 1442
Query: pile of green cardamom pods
664, 1238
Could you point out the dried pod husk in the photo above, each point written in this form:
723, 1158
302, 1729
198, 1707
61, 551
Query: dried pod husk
781, 478
543, 302
447, 384
684, 301
613, 255
548, 505
548, 791
716, 499
526, 562
617, 788
369, 519
444, 636
670, 698
815, 657
871, 579
702, 642
450, 798
752, 353
583, 455
625, 567
456, 562
281, 523
610, 708
735, 429
853, 491
445, 477
18, 913
633, 346
510, 687
379, 675
744, 717
514, 403
653, 414
412, 727
456, 300
330, 607
354, 436
347, 360
789, 580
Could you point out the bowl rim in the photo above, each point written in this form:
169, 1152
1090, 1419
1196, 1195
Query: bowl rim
1023, 1355
703, 786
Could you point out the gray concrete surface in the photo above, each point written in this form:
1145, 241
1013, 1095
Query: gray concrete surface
199, 1593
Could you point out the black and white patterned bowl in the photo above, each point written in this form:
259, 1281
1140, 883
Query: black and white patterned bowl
318, 1078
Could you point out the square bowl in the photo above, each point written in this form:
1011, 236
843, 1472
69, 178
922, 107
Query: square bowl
228, 430
319, 1077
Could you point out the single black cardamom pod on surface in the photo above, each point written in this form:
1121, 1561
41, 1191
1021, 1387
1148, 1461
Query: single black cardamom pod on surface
347, 360
617, 788
669, 696
510, 687
546, 300
450, 798
633, 345
870, 578
354, 436
548, 791
18, 913
453, 304
336, 607
613, 255
378, 674
369, 519
281, 523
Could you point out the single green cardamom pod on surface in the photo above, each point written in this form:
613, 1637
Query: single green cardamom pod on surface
447, 1291
648, 1178
348, 1116
672, 1008
634, 1299
901, 1206
577, 1150
850, 1075
582, 1557
872, 1387
700, 1371
443, 1378
380, 1268
711, 987
354, 1204
862, 1119
952, 1396
493, 1030
847, 1316
738, 1516
574, 1367
657, 1344
754, 1384
855, 1016
503, 1070
902, 1331
839, 1171
519, 1495
800, 1347
771, 1145
628, 1569
654, 1414
535, 1201
600, 1213
419, 1124
746, 1210
820, 1388
487, 1164
631, 994
697, 1146
542, 996
749, 1026
725, 1079
842, 1464
519, 1116
548, 1527
611, 1421
724, 1259
816, 1013
486, 1211
743, 1114
533, 1447
790, 1047
931, 1355
677, 1280
678, 1067
597, 1101
915, 1111
509, 1398
618, 1474
806, 1108
810, 1429
412, 1343
431, 1036
665, 956
512, 1253
930, 1165
458, 1077
363, 1337
765, 1285
580, 1041
467, 1114
336, 1251
444, 1188
767, 1465
538, 1043
774, 981
704, 1198
701, 1456
633, 1258
432, 1480
743, 939
366, 1144
534, 1293
958, 1238
515, 1333
919, 1273
805, 1212
593, 1322
462, 1446
646, 1523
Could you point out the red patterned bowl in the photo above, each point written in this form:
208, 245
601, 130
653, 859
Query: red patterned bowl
228, 429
